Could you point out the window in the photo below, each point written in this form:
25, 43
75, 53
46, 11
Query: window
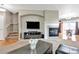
69, 30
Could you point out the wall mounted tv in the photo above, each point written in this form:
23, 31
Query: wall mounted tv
33, 25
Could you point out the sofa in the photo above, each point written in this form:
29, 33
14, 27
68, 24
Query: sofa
65, 49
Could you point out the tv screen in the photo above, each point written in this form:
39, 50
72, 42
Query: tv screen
33, 25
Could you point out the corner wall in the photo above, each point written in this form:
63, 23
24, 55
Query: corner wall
8, 22
51, 19
15, 22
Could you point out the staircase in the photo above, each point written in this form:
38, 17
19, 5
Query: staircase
10, 39
12, 35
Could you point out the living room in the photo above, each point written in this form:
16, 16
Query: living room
52, 28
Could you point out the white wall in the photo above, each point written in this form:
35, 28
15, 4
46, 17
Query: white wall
15, 22
2, 31
26, 12
8, 17
8, 22
51, 19
24, 19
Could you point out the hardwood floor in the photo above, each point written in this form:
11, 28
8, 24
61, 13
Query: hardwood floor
8, 42
11, 39
77, 38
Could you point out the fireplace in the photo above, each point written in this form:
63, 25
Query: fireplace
53, 32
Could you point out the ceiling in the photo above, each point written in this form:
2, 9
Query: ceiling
62, 8
17, 7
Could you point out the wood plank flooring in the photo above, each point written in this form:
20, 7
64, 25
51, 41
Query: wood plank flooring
11, 39
8, 42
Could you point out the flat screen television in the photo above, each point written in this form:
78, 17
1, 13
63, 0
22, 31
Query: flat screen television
33, 25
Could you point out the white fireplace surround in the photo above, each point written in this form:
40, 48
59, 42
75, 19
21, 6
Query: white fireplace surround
53, 25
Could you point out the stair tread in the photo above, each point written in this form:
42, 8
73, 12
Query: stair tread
13, 35
13, 32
